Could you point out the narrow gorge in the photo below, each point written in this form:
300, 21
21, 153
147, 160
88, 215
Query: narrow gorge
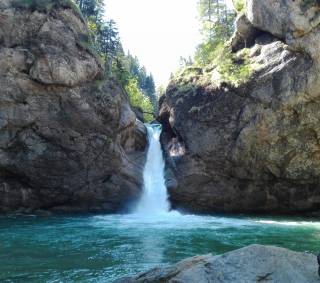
101, 179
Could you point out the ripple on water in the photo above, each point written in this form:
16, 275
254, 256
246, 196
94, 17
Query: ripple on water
103, 248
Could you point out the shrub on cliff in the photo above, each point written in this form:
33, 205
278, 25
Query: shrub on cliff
234, 68
139, 100
239, 5
214, 55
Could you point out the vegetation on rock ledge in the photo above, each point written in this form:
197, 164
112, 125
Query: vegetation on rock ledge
214, 61
239, 5
233, 68
104, 41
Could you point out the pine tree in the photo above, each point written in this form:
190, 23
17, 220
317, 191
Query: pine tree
217, 26
124, 68
216, 20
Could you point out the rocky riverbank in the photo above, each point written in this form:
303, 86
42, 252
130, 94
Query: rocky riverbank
250, 144
68, 138
247, 265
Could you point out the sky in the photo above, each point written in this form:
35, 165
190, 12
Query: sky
158, 32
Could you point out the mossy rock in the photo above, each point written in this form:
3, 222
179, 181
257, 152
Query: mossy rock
185, 90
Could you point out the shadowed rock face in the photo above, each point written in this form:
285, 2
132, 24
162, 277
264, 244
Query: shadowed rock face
251, 264
68, 139
255, 147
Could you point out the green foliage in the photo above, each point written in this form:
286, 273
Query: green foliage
161, 91
214, 60
216, 20
239, 5
206, 52
145, 80
233, 68
104, 40
185, 89
91, 8
139, 100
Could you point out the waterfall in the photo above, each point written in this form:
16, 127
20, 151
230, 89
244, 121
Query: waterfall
154, 199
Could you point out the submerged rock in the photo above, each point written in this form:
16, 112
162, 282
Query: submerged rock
68, 138
251, 146
247, 265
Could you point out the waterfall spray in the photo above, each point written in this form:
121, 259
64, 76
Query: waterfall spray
154, 199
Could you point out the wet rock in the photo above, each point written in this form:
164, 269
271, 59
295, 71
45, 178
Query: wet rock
250, 265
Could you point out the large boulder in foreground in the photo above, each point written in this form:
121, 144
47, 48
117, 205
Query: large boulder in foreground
251, 146
68, 138
247, 265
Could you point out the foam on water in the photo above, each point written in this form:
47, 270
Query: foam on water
154, 200
104, 248
290, 223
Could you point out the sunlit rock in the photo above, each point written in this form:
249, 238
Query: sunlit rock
252, 145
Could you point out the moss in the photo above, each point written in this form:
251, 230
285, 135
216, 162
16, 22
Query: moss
239, 5
226, 66
185, 90
46, 6
234, 68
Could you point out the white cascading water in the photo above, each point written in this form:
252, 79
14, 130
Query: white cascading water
154, 200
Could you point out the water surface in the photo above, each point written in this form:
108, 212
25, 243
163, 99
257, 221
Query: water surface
104, 248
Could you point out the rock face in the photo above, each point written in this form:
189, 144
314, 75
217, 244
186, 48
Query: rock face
248, 265
253, 147
68, 139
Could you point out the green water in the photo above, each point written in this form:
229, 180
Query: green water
104, 248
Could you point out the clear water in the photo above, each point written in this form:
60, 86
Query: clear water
103, 248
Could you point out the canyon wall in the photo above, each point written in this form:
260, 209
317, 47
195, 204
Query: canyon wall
254, 146
69, 140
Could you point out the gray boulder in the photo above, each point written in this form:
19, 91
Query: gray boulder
247, 265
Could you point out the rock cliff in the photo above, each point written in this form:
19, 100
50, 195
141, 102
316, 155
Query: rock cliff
247, 265
68, 138
253, 146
